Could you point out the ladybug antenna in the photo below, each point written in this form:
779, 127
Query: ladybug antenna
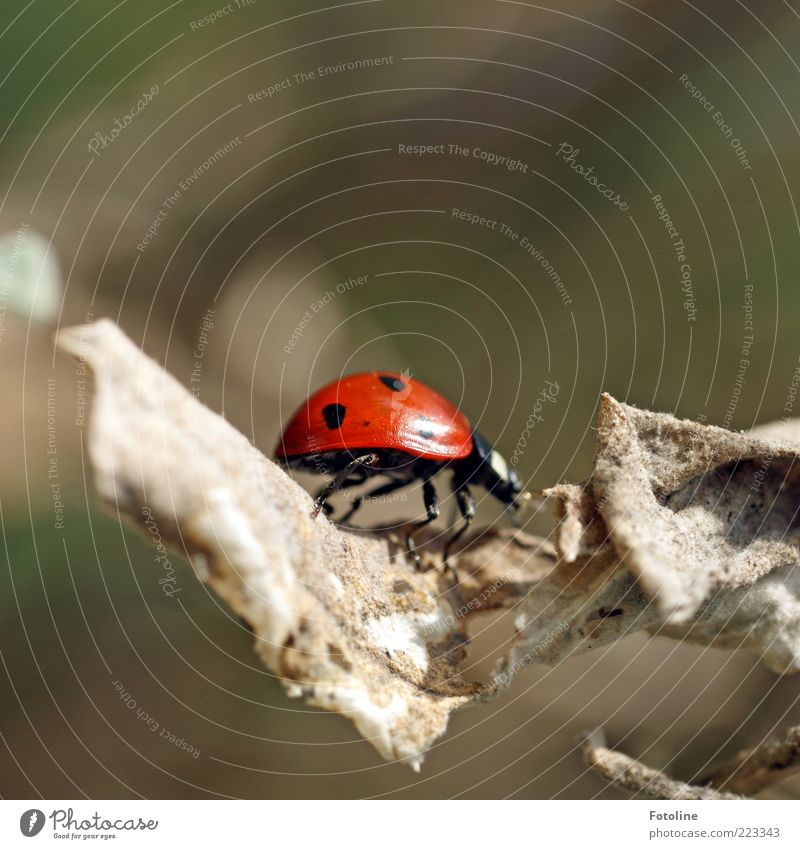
528, 496
529, 499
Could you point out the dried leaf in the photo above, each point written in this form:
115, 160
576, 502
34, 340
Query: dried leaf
628, 774
341, 617
776, 759
692, 508
683, 530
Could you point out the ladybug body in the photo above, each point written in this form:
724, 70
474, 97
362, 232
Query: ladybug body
383, 424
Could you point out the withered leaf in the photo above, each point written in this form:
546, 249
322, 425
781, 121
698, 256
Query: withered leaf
340, 617
683, 530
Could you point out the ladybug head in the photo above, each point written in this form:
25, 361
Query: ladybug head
489, 469
507, 485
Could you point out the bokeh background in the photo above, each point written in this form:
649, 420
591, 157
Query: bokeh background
264, 184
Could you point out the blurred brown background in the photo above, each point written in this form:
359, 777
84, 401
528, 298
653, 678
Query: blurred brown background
262, 195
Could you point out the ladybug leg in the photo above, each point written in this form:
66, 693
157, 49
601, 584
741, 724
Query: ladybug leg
320, 502
466, 506
432, 509
384, 489
326, 507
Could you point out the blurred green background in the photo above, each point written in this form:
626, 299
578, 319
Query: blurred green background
266, 183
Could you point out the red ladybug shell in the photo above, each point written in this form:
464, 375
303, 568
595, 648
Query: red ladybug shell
377, 409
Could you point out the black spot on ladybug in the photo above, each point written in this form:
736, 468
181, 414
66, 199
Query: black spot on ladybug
424, 432
334, 415
393, 383
366, 423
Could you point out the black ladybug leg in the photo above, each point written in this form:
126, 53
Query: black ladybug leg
326, 507
384, 489
466, 506
432, 509
320, 502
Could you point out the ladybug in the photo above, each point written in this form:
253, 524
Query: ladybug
379, 424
